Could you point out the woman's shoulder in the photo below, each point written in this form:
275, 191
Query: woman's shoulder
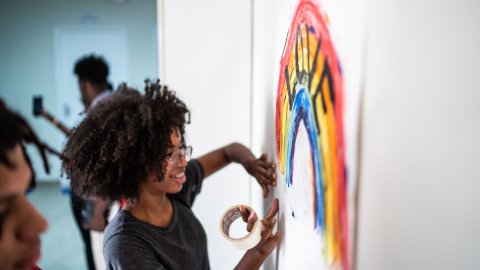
125, 229
123, 222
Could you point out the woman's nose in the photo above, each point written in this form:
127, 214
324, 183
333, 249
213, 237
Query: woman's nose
33, 222
181, 161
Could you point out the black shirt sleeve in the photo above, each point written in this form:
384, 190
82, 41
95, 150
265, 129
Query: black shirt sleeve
191, 188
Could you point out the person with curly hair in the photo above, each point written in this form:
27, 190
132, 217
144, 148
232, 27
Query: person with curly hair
20, 223
133, 147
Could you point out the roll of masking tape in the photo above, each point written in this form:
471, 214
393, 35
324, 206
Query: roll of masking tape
246, 242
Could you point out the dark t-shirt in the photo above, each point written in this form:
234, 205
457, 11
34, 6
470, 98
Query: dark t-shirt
130, 243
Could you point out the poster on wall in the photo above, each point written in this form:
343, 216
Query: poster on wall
317, 101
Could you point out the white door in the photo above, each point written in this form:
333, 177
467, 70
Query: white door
73, 42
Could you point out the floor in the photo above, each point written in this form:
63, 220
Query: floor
62, 247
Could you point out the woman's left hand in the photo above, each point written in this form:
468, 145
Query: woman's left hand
255, 256
269, 239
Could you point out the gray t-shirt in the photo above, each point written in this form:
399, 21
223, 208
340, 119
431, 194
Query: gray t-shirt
130, 243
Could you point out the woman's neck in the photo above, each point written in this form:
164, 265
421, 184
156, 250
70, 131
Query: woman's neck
153, 209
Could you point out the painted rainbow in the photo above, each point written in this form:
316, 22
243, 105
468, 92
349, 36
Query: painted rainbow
310, 90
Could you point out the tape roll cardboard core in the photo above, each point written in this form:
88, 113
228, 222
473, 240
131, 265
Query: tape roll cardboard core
246, 242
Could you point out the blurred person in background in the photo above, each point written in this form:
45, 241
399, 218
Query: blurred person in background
90, 213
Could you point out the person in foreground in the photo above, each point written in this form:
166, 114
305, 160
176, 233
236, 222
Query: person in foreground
20, 223
134, 148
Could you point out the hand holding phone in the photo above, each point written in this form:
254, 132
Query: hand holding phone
39, 111
37, 105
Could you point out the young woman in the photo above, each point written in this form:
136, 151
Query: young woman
133, 147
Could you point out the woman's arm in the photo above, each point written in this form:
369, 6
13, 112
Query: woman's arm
262, 169
45, 114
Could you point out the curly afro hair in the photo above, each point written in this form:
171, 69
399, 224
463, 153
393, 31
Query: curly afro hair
119, 143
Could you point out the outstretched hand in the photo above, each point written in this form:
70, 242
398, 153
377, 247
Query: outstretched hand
255, 256
264, 171
269, 240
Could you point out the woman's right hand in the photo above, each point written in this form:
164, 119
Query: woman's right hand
264, 171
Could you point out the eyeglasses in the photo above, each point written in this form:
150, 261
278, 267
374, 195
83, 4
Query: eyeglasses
176, 157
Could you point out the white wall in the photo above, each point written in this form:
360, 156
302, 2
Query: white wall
27, 51
265, 32
207, 61
419, 204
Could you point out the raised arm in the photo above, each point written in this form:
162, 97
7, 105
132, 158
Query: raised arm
262, 169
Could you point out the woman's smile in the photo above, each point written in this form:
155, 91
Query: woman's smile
179, 178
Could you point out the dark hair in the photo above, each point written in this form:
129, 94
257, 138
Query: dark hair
120, 142
15, 130
92, 68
